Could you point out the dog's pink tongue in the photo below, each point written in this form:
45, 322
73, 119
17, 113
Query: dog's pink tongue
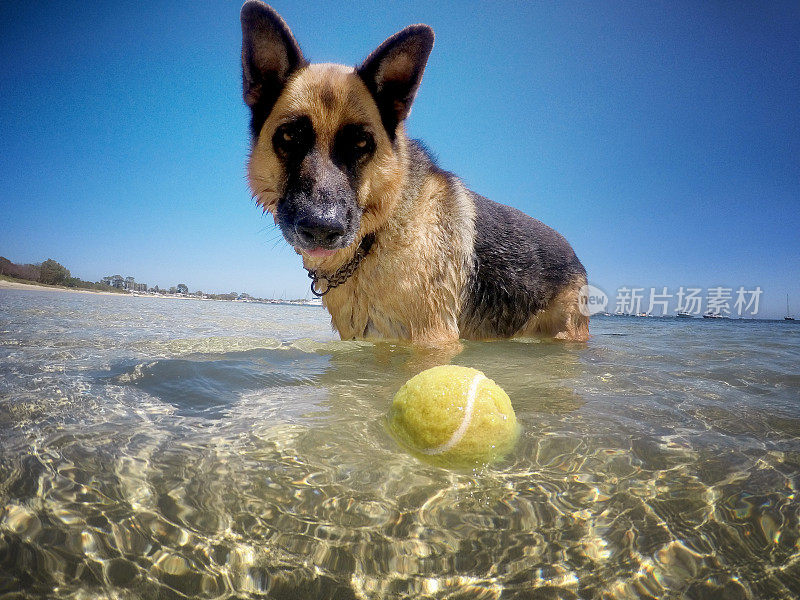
320, 252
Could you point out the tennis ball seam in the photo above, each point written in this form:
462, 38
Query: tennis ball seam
458, 434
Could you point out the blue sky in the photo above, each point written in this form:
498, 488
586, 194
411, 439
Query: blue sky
662, 139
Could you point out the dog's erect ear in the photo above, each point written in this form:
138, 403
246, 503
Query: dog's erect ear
393, 72
270, 55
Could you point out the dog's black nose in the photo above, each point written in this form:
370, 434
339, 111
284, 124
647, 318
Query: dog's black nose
325, 233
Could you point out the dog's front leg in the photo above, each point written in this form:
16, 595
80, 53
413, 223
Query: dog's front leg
433, 351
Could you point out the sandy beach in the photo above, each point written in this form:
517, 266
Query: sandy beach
16, 285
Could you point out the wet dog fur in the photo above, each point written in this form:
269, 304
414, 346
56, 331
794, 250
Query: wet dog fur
331, 162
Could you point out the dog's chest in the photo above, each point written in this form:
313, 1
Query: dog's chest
373, 304
399, 292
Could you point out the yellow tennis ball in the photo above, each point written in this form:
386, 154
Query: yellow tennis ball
454, 415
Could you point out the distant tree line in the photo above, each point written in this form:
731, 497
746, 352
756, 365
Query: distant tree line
28, 272
49, 272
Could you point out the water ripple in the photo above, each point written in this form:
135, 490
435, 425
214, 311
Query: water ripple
151, 449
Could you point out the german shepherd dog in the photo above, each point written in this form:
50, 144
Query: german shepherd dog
398, 248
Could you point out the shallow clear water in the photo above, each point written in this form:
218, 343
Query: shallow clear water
169, 449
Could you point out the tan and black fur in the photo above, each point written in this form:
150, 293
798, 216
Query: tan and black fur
331, 162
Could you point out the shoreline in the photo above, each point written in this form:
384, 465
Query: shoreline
17, 285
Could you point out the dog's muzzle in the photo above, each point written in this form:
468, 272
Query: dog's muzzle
314, 231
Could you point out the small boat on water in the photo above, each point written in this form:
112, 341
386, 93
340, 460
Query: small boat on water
788, 316
684, 315
710, 315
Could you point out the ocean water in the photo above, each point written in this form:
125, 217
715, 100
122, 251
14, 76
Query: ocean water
154, 448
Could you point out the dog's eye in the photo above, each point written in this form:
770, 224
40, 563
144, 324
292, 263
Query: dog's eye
361, 140
353, 142
294, 139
